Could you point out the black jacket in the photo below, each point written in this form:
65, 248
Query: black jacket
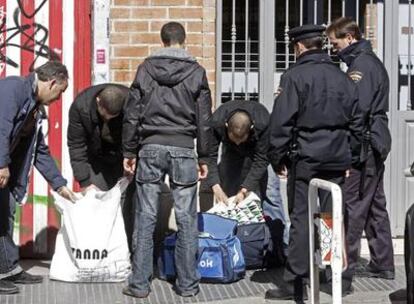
372, 81
255, 147
317, 98
169, 104
84, 135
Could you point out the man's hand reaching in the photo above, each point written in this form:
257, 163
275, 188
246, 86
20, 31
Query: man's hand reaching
67, 193
219, 194
241, 195
202, 171
130, 165
4, 177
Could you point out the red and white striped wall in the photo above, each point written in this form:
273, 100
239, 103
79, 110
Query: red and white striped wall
31, 32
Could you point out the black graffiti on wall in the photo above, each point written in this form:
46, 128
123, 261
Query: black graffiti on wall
33, 37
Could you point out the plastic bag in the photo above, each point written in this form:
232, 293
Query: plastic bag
245, 212
91, 245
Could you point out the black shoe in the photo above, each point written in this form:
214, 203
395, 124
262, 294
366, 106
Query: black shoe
7, 287
24, 278
361, 264
189, 295
129, 292
285, 294
186, 294
347, 288
373, 273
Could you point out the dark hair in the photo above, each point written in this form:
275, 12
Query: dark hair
172, 33
313, 42
112, 99
342, 26
52, 70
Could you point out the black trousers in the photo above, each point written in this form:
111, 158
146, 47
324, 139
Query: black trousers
297, 265
369, 214
105, 175
233, 169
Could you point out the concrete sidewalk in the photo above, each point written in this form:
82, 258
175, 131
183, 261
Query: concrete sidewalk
251, 290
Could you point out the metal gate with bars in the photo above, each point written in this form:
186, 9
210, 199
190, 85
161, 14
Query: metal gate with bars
253, 51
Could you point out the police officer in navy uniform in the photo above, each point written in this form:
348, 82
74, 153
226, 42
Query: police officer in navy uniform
365, 202
315, 128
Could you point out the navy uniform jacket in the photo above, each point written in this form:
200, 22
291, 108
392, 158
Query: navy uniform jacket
255, 147
372, 81
322, 102
16, 102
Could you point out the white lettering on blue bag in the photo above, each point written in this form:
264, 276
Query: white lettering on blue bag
220, 258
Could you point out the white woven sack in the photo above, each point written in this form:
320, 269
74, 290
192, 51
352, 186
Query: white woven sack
92, 246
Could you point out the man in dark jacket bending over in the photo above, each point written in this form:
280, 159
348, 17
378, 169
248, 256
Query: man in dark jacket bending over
242, 129
95, 136
168, 107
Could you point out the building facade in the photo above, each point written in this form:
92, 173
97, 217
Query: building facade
243, 45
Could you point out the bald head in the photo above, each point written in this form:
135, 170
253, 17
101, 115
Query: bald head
238, 127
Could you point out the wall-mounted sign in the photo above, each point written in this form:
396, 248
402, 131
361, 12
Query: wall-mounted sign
101, 41
100, 56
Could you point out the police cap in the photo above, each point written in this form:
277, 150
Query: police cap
305, 31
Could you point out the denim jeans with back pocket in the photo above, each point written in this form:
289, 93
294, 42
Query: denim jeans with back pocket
180, 164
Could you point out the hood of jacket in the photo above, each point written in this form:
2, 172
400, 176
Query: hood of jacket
170, 66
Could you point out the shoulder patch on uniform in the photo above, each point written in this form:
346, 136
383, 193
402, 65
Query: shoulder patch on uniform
356, 76
278, 91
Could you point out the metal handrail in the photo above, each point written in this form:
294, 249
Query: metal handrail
337, 233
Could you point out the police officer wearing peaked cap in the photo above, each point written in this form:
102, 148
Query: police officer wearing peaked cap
306, 31
315, 129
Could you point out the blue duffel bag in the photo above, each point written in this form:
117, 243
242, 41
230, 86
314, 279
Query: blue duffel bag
220, 259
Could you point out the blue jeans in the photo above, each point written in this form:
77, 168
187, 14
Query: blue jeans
9, 252
273, 203
155, 161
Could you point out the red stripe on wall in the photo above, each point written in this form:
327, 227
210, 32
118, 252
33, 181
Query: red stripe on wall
27, 58
82, 50
27, 37
55, 114
82, 46
3, 10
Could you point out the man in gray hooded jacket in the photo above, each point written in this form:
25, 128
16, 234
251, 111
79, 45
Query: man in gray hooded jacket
168, 107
